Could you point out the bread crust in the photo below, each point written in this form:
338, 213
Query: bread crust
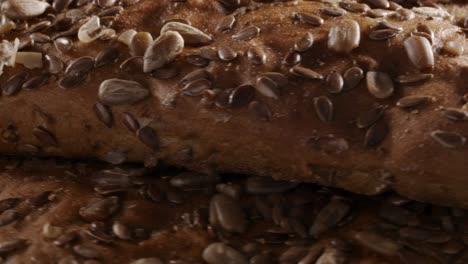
295, 143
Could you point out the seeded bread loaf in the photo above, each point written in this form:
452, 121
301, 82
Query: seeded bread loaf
62, 212
365, 97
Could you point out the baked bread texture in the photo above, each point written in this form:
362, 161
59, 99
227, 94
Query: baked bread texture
362, 96
62, 212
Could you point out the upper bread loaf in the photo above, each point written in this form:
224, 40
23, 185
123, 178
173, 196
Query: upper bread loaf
362, 96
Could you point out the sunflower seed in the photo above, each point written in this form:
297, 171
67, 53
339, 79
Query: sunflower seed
455, 114
45, 136
66, 239
333, 11
292, 58
332, 255
256, 55
14, 84
428, 32
412, 101
166, 72
131, 122
101, 209
132, 65
40, 38
309, 19
226, 23
111, 11
455, 47
209, 53
378, 3
279, 78
105, 3
190, 34
368, 118
388, 25
262, 258
267, 185
9, 135
119, 92
344, 36
69, 81
242, 95
162, 51
8, 217
197, 60
8, 203
104, 114
352, 77
140, 43
24, 9
55, 64
149, 137
80, 66
195, 75
220, 253
376, 134
448, 139
329, 216
403, 14
60, 5
196, 87
107, 56
12, 245
38, 26
28, 148
122, 231
260, 110
36, 82
335, 82
312, 255
419, 51
380, 84
115, 157
354, 7
377, 243
304, 43
293, 254
397, 215
226, 213
414, 78
324, 108
149, 261
51, 232
267, 87
383, 34
192, 180
247, 33
63, 45
88, 252
305, 73
226, 53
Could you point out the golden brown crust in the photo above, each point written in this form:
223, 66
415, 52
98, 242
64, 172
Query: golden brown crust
295, 143
277, 216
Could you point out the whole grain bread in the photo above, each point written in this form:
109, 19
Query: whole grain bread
67, 212
364, 97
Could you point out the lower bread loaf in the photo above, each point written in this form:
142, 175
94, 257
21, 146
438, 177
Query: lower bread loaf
61, 212
364, 96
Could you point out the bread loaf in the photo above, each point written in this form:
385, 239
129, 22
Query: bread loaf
364, 97
62, 212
